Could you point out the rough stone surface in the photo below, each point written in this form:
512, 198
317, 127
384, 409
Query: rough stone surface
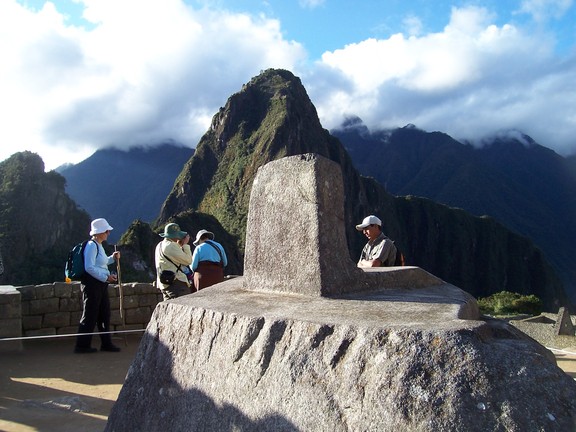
230, 359
10, 318
295, 234
295, 238
564, 324
388, 349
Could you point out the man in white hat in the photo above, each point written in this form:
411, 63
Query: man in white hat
380, 251
173, 255
208, 260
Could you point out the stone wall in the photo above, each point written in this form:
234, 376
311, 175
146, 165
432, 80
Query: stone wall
54, 309
10, 317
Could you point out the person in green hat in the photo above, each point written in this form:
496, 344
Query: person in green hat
173, 256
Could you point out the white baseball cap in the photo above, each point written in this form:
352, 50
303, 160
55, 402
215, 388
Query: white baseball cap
369, 220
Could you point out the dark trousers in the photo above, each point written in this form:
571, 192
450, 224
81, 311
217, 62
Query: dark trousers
177, 289
96, 312
207, 274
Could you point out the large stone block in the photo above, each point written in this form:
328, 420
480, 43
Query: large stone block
305, 341
9, 295
44, 291
42, 306
138, 315
31, 322
227, 358
295, 232
10, 327
56, 319
63, 290
295, 235
10, 310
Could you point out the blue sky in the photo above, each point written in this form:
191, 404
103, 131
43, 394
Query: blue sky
79, 75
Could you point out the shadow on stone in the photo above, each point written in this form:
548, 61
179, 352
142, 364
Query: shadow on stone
307, 341
176, 407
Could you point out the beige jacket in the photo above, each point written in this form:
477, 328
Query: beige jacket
180, 255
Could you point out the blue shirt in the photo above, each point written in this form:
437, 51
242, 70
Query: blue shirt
96, 262
205, 252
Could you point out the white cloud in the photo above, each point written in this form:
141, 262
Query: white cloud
413, 25
311, 4
543, 10
469, 80
145, 71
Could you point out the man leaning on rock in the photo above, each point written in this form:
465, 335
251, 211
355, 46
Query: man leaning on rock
380, 250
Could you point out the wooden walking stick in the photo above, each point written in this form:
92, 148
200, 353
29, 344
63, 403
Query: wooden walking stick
121, 292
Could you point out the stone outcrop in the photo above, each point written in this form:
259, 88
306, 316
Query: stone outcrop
292, 346
564, 324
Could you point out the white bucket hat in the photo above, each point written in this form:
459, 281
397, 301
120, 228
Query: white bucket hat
200, 234
100, 225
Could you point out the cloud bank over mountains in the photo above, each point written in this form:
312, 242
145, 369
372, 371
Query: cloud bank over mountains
129, 72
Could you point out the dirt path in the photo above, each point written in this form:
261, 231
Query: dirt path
48, 388
566, 360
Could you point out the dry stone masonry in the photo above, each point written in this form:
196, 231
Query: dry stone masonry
56, 308
305, 341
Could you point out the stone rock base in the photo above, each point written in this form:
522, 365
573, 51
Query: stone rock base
226, 358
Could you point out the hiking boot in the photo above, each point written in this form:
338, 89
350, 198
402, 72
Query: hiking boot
110, 348
85, 350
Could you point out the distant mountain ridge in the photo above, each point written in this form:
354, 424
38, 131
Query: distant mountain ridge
122, 186
527, 187
272, 117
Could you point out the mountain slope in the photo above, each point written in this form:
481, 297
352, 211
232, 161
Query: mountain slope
122, 186
525, 186
272, 117
39, 222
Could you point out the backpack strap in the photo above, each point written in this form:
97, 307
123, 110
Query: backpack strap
178, 266
84, 244
217, 250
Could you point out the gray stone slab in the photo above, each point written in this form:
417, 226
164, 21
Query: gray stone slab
306, 341
438, 305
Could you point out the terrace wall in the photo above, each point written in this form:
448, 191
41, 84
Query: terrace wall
56, 308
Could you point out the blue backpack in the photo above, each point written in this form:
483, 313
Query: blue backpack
74, 269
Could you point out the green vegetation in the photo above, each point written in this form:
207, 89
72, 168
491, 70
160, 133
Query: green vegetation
272, 117
39, 222
509, 303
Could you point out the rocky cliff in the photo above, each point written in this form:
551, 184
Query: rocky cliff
272, 117
39, 222
525, 186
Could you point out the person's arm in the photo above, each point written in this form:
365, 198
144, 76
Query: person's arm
179, 254
385, 255
363, 262
224, 257
369, 263
195, 258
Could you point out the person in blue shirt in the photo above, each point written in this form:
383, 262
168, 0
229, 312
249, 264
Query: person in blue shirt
208, 260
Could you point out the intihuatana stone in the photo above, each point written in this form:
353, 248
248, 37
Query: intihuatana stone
305, 341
